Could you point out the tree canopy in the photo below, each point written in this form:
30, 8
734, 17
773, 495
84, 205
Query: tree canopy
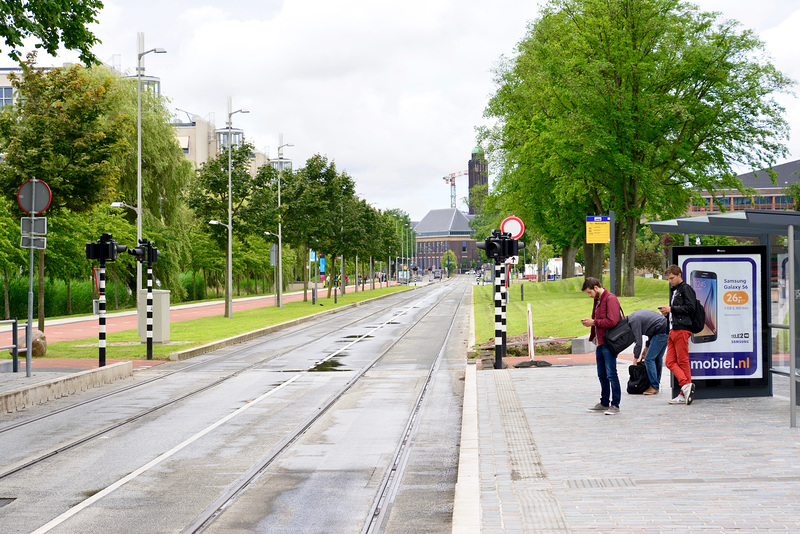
52, 22
631, 106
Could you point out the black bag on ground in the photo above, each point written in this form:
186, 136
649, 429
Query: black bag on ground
619, 337
638, 382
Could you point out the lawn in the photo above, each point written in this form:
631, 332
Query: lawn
187, 334
557, 307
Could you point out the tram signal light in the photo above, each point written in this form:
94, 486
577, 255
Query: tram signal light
145, 252
500, 246
105, 249
140, 252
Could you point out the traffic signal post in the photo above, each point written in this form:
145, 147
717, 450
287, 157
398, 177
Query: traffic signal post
499, 247
147, 252
104, 250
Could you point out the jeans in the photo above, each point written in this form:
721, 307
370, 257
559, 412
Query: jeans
654, 359
607, 373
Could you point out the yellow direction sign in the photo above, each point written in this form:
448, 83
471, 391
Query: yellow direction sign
598, 229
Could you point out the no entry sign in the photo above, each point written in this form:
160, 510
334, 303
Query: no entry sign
513, 225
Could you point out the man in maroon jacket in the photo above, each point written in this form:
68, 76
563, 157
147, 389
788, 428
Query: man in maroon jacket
605, 315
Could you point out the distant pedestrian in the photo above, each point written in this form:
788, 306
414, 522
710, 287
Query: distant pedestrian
605, 315
653, 325
679, 313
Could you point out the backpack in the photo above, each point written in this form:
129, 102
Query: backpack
698, 318
638, 382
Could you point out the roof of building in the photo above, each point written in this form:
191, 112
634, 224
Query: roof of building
787, 174
445, 222
477, 150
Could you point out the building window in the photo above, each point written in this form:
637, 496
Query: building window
6, 96
463, 246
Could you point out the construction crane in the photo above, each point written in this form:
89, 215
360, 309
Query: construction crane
451, 180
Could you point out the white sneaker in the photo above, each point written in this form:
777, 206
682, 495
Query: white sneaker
688, 392
680, 399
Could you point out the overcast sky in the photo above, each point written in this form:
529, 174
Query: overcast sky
391, 91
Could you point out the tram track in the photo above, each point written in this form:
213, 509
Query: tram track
378, 514
206, 363
42, 457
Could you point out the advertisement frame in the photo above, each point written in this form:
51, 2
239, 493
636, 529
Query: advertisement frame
709, 385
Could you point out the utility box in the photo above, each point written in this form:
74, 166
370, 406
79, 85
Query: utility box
160, 316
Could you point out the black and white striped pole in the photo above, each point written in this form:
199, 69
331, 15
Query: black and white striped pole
104, 250
499, 247
149, 310
499, 314
147, 252
101, 284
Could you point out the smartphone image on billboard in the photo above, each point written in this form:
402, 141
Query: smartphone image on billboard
704, 284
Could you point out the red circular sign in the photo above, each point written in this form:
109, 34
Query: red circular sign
513, 225
25, 196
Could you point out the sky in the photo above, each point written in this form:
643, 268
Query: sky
391, 91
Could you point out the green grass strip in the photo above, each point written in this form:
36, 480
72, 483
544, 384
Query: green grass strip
187, 334
557, 307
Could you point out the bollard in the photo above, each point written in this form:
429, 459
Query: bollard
522, 292
335, 289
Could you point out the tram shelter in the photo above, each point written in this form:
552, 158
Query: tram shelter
779, 231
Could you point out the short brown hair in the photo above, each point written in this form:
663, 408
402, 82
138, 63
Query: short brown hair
590, 283
673, 269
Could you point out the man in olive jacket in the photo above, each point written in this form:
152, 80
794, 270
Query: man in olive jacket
682, 301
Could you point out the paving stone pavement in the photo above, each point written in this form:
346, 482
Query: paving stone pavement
548, 465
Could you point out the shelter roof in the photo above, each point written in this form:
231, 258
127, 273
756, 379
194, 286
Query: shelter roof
738, 223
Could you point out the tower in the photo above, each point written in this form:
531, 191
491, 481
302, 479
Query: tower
478, 169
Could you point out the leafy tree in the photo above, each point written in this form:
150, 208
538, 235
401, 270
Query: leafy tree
208, 196
53, 23
11, 255
449, 261
58, 130
635, 104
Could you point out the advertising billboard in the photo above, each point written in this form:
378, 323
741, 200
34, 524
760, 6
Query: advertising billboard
731, 285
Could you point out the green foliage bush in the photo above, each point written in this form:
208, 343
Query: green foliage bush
199, 285
55, 297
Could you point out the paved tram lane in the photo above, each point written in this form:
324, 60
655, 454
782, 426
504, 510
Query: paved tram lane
161, 471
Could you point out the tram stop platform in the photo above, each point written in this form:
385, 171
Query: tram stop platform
534, 459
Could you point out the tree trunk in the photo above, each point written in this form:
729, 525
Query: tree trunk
568, 261
356, 280
69, 296
216, 286
6, 302
619, 237
593, 253
41, 290
628, 289
194, 284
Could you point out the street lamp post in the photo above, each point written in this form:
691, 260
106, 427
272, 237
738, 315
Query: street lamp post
280, 233
229, 274
139, 72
